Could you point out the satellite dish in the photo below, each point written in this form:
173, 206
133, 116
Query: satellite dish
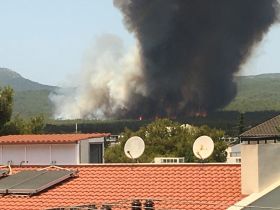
203, 147
134, 147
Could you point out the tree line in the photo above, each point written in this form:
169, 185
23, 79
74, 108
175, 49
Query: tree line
17, 124
163, 137
166, 138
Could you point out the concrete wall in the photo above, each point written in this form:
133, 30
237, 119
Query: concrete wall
84, 151
260, 166
40, 154
84, 148
269, 164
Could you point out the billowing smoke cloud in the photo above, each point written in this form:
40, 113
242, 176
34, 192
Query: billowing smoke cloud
187, 54
105, 83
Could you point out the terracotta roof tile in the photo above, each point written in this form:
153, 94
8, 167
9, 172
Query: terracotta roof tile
48, 138
182, 186
267, 129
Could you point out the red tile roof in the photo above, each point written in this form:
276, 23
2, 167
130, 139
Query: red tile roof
181, 186
49, 138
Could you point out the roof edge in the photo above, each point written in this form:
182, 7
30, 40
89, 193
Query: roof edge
259, 137
138, 165
266, 121
245, 202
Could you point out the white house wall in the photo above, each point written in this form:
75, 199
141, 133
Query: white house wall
13, 154
65, 158
40, 154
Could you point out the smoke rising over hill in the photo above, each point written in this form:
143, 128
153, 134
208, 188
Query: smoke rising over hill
186, 56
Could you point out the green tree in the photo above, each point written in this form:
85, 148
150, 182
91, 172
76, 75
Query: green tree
241, 124
18, 125
15, 126
165, 138
6, 105
36, 124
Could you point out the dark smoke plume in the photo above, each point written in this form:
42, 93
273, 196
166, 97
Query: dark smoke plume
186, 55
190, 50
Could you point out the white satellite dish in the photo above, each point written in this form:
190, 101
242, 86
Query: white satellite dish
203, 147
134, 147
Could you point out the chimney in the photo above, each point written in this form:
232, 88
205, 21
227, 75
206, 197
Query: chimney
260, 165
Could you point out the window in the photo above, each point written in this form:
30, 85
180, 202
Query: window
235, 154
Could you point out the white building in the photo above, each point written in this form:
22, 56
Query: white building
52, 149
234, 154
169, 160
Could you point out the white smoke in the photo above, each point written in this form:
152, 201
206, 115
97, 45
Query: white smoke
110, 74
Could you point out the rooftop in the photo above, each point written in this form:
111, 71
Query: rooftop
266, 130
171, 186
49, 138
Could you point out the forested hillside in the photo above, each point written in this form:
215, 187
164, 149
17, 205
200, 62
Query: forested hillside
31, 98
254, 93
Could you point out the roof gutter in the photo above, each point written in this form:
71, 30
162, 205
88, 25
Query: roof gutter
275, 138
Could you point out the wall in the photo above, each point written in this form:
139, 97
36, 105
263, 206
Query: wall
260, 166
40, 154
84, 148
84, 151
269, 164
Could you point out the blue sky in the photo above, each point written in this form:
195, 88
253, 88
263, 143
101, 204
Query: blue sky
46, 40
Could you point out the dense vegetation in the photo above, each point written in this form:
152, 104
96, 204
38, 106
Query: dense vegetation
166, 138
227, 121
17, 125
32, 102
91, 126
256, 93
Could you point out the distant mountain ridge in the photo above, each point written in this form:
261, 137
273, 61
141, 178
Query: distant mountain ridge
254, 93
31, 98
19, 83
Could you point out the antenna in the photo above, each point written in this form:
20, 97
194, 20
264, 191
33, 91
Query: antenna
134, 147
203, 147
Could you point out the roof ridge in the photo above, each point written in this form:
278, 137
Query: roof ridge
267, 121
49, 138
261, 125
42, 134
90, 165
